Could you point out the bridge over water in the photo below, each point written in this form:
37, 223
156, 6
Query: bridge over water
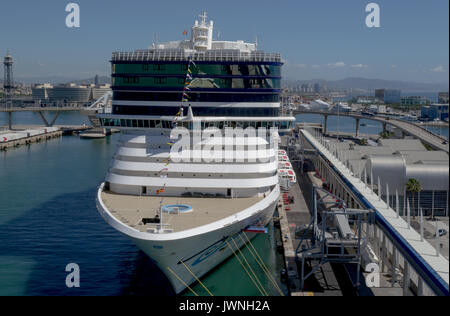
40, 110
408, 128
103, 103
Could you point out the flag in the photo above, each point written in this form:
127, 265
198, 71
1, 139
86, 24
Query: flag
185, 32
159, 191
170, 143
189, 70
193, 63
189, 76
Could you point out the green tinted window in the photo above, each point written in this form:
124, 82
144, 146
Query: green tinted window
203, 69
211, 83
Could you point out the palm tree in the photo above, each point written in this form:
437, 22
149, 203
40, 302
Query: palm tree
413, 186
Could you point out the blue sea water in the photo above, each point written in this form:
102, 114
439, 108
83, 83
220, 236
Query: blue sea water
48, 219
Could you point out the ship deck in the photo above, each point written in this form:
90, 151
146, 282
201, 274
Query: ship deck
130, 210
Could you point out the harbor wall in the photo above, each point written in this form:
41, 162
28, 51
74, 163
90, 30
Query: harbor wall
12, 139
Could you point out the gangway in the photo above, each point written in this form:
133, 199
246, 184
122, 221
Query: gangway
102, 105
334, 235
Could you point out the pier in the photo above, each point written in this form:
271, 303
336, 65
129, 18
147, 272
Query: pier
331, 279
29, 134
410, 259
12, 139
325, 282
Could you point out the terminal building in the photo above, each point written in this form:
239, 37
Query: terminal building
443, 98
414, 101
68, 94
41, 91
394, 162
435, 111
388, 96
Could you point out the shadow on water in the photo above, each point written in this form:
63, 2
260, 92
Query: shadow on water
69, 229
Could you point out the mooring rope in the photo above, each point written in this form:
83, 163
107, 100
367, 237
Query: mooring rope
245, 269
182, 281
209, 292
250, 267
261, 263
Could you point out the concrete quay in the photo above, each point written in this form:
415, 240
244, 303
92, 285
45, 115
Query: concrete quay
331, 279
16, 138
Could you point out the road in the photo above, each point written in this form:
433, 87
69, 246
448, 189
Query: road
435, 141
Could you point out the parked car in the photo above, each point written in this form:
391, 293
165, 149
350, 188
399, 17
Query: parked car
442, 232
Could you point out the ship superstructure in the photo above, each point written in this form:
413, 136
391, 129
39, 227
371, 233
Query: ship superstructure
196, 163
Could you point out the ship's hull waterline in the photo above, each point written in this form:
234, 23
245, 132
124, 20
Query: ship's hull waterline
200, 249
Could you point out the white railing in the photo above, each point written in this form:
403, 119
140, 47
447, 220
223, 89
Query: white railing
180, 55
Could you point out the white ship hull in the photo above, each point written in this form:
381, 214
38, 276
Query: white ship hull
200, 249
200, 125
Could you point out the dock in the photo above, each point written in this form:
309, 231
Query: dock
16, 138
396, 275
325, 282
296, 214
29, 134
407, 265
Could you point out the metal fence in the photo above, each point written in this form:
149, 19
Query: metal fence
181, 55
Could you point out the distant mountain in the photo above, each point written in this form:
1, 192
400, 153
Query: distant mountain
369, 85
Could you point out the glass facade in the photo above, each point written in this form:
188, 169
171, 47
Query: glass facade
202, 83
222, 82
195, 96
200, 69
198, 111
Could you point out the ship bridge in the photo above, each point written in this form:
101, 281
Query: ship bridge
202, 40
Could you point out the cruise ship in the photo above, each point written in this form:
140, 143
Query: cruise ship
190, 182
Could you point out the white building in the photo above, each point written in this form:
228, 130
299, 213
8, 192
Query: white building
319, 105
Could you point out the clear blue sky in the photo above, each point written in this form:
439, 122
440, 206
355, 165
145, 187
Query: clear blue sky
318, 39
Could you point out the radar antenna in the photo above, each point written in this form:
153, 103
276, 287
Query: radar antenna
203, 17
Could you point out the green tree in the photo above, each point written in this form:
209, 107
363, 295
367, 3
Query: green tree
386, 135
413, 186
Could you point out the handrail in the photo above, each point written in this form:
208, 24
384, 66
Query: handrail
180, 55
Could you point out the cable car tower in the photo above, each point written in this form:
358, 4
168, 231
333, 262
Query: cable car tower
8, 82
